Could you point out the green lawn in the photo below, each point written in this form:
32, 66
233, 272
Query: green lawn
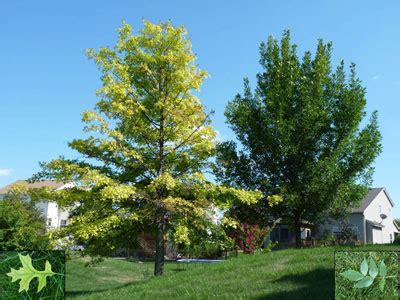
285, 274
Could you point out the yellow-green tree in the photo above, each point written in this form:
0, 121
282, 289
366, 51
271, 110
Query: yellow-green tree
150, 140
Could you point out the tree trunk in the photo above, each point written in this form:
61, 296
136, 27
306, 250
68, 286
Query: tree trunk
160, 213
297, 231
159, 257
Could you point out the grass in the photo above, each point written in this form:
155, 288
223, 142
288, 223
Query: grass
285, 274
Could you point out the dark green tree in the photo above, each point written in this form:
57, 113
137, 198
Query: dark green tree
300, 136
22, 225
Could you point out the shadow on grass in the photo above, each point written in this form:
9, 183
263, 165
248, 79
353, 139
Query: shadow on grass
73, 294
317, 284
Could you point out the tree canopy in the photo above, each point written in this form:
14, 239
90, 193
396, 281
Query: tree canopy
300, 135
22, 225
141, 168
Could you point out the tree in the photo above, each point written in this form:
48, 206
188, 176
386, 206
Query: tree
300, 135
151, 140
22, 226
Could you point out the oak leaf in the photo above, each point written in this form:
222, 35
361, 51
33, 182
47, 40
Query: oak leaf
28, 272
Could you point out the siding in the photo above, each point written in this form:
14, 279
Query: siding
381, 204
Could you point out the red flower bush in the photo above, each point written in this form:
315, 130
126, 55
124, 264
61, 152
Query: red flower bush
249, 237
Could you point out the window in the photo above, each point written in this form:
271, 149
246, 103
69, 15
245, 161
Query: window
391, 238
274, 235
63, 223
354, 228
49, 222
380, 208
284, 236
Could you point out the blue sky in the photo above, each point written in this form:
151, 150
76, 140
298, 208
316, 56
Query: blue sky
46, 80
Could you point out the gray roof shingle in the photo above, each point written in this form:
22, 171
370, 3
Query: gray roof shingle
372, 194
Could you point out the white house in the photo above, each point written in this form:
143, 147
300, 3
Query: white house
373, 220
55, 217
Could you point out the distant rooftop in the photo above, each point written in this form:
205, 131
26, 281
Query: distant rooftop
372, 194
38, 184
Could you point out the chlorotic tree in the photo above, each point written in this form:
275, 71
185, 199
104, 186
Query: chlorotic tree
301, 136
141, 168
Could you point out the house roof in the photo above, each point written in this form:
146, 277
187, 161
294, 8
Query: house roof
396, 225
38, 184
375, 224
372, 194
281, 221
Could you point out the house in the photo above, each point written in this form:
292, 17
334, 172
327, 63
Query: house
372, 222
282, 233
55, 217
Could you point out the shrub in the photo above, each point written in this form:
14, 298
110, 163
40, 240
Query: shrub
249, 238
348, 235
268, 248
21, 223
208, 241
396, 240
207, 250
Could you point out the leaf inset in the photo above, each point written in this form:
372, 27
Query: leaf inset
364, 283
27, 272
382, 269
373, 269
352, 275
364, 267
382, 284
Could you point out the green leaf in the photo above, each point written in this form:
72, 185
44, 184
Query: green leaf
364, 267
382, 269
373, 269
27, 272
382, 284
364, 283
352, 275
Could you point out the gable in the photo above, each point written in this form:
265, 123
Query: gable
373, 194
380, 205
